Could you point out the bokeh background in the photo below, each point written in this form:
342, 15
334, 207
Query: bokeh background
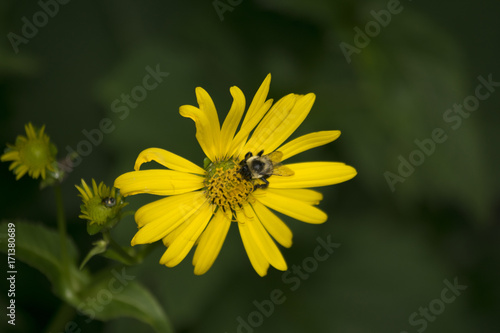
397, 247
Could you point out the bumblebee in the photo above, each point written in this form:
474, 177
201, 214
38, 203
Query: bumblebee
263, 166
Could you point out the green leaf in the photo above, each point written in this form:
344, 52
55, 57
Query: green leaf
111, 294
99, 247
40, 248
119, 294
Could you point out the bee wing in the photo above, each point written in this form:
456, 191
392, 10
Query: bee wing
281, 170
275, 157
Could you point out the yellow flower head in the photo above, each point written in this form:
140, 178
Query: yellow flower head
242, 181
33, 154
101, 205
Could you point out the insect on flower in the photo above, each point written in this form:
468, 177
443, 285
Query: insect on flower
263, 166
109, 202
197, 205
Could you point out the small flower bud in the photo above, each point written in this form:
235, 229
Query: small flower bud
101, 205
33, 154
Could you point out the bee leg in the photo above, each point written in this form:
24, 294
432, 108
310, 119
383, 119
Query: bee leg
262, 186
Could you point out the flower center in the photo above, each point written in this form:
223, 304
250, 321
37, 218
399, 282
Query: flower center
226, 187
36, 154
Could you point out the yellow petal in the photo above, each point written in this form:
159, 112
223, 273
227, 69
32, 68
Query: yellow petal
278, 113
84, 195
14, 165
307, 142
94, 187
257, 259
204, 132
210, 243
273, 224
261, 237
297, 209
169, 239
258, 100
10, 156
280, 122
161, 217
181, 246
30, 131
42, 130
255, 113
241, 137
309, 196
314, 174
207, 106
232, 120
159, 182
89, 192
185, 204
21, 171
167, 159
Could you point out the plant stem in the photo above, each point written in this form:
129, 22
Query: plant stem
126, 213
61, 225
115, 246
147, 249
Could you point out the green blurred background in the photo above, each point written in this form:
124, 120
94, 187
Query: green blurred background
397, 247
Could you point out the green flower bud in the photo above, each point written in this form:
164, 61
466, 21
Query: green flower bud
33, 154
101, 206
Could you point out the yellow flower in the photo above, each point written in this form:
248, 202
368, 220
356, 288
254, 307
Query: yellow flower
101, 205
201, 203
33, 154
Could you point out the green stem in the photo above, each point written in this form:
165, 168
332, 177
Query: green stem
61, 224
61, 319
126, 213
147, 249
115, 246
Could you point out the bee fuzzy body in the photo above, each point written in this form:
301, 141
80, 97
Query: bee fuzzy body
262, 167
